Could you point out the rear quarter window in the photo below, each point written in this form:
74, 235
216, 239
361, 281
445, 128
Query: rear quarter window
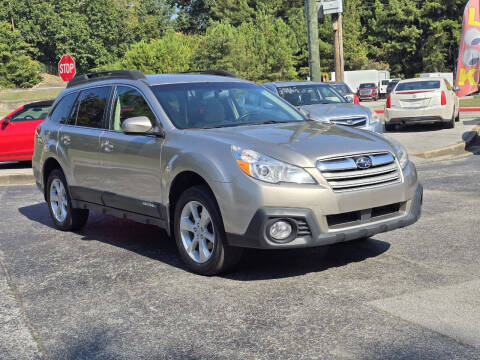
61, 112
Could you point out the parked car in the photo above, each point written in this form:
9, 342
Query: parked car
220, 163
17, 130
422, 100
347, 93
391, 86
368, 91
321, 102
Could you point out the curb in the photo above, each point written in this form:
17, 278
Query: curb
451, 149
16, 179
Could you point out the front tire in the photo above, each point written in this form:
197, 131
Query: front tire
200, 235
59, 202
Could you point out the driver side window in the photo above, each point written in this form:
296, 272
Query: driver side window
127, 103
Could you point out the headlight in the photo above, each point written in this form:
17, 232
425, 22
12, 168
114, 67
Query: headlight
267, 169
400, 152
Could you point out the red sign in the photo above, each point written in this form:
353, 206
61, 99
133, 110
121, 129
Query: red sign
66, 68
468, 74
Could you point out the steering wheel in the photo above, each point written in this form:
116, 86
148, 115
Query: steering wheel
28, 117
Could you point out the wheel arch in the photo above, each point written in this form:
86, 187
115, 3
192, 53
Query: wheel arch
49, 165
181, 182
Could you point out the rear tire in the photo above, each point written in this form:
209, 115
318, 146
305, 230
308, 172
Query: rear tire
451, 123
457, 119
59, 202
389, 127
200, 235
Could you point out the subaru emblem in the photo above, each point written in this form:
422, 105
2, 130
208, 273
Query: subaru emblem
363, 162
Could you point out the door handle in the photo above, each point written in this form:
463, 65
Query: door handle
107, 146
65, 139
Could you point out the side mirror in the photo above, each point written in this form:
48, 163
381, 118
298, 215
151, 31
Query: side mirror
5, 121
456, 88
136, 125
349, 99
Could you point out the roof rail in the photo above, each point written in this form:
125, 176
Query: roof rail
211, 72
105, 75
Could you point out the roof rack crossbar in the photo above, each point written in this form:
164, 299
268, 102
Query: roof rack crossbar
105, 75
211, 72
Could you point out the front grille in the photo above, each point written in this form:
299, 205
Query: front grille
366, 91
364, 216
343, 174
353, 121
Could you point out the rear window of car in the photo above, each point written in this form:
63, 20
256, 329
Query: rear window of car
418, 85
367, 86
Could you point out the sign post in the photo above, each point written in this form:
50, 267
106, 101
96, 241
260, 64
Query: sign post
335, 7
66, 68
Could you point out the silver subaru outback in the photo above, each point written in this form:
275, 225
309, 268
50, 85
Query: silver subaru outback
220, 163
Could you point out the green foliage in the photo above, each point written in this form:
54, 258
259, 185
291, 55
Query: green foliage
17, 68
258, 39
262, 49
169, 54
94, 32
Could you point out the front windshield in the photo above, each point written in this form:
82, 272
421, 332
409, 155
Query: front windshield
311, 94
222, 104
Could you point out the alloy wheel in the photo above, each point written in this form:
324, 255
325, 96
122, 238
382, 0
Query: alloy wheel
197, 231
58, 200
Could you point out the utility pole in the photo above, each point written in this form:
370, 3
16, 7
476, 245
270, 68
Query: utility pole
313, 45
338, 46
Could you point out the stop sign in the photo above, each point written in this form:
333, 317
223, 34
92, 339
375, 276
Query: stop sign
66, 68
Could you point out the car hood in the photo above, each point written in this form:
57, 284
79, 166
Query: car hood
300, 143
326, 112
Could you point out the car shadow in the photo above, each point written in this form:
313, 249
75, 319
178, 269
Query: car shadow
15, 165
416, 128
152, 242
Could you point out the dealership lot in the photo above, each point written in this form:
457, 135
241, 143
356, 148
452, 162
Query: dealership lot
118, 290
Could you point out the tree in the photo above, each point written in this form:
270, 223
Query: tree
394, 35
169, 54
442, 25
354, 46
263, 49
17, 68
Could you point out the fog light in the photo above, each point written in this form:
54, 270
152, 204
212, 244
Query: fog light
280, 230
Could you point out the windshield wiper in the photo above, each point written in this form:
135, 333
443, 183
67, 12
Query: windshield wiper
264, 122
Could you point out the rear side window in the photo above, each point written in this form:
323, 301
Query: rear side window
418, 85
129, 103
91, 107
31, 113
62, 110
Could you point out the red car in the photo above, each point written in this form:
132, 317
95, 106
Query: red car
17, 130
368, 91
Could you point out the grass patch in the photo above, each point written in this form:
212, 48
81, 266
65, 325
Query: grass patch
470, 102
28, 95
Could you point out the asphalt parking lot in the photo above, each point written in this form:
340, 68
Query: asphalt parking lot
117, 289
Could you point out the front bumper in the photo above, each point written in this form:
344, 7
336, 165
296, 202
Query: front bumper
256, 234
